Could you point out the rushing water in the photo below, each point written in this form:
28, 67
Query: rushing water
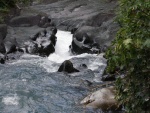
33, 85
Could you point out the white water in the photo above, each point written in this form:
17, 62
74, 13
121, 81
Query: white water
52, 63
11, 100
64, 39
62, 53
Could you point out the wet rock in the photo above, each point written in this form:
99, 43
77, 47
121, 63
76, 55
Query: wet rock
13, 56
89, 39
2, 47
84, 42
43, 43
83, 66
86, 82
10, 45
54, 31
67, 66
41, 20
86, 76
73, 30
44, 21
103, 99
31, 47
2, 58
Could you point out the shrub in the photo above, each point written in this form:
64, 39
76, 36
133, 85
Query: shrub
130, 52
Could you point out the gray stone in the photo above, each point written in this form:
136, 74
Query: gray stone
41, 20
3, 31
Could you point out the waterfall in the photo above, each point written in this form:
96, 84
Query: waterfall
64, 40
94, 62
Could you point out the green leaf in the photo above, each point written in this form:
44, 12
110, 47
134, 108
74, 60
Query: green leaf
127, 41
147, 43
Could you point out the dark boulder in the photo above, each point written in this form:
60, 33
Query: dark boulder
67, 66
89, 39
2, 58
41, 20
32, 40
108, 78
42, 43
84, 41
73, 30
2, 47
31, 47
3, 31
83, 66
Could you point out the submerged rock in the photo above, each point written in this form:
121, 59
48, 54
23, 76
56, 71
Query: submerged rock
67, 66
103, 99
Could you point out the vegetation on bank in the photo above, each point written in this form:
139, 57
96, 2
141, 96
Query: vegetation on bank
7, 5
130, 55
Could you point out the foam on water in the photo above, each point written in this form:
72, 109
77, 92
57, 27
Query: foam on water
62, 53
11, 100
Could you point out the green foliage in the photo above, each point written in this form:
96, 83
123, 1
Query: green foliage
130, 52
12, 3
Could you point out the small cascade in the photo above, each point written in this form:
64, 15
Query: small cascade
62, 53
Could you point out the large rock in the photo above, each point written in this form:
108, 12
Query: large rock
67, 66
2, 47
41, 20
83, 41
33, 40
3, 31
91, 22
89, 39
103, 99
2, 58
42, 43
68, 14
98, 19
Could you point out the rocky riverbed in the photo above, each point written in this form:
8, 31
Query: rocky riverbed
32, 48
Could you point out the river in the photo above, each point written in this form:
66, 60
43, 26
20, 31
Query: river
32, 84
